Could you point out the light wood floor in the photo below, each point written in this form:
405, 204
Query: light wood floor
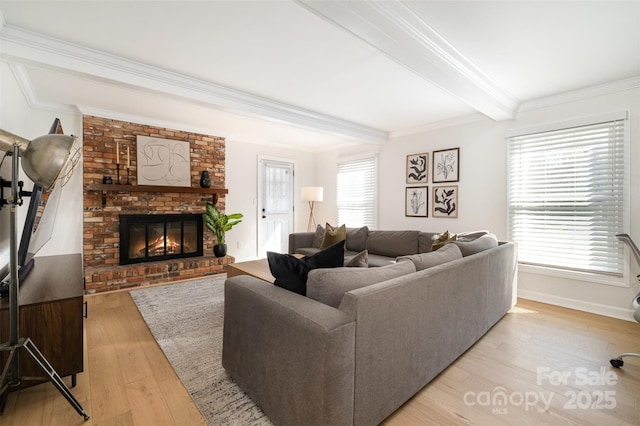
537, 353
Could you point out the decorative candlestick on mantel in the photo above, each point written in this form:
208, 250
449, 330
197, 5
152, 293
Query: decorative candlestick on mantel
128, 165
118, 162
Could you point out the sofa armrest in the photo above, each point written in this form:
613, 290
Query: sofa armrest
300, 239
292, 355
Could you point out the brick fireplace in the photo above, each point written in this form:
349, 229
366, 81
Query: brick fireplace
102, 209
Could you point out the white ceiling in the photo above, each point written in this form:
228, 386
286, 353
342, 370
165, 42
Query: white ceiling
313, 74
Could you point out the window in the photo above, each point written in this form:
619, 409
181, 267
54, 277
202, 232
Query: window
357, 193
566, 197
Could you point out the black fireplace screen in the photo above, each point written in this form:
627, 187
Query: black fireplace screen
148, 238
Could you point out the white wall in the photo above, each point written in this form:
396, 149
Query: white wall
17, 117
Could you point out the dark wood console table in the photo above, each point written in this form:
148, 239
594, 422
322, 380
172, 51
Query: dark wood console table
51, 314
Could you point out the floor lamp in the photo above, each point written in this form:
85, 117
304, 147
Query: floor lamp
43, 160
312, 194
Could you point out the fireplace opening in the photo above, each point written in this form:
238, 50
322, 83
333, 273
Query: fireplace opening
149, 238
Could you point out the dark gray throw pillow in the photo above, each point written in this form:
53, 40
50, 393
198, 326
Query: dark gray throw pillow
291, 273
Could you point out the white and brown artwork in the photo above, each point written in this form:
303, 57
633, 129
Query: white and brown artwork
416, 201
446, 165
163, 162
445, 201
418, 168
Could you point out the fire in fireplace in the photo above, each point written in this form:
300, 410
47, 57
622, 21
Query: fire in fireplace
150, 238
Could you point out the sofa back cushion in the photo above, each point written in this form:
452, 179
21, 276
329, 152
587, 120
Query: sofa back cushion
427, 260
393, 243
328, 286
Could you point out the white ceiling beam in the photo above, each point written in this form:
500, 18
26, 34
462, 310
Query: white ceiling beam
396, 30
33, 49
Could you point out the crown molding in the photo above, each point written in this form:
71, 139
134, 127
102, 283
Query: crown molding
581, 94
24, 83
396, 30
33, 49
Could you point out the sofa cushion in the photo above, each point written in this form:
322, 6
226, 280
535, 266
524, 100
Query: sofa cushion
318, 236
376, 260
329, 285
291, 273
392, 243
470, 236
425, 240
360, 260
427, 260
442, 239
333, 235
475, 246
357, 238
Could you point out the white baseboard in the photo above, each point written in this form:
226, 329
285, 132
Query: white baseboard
580, 305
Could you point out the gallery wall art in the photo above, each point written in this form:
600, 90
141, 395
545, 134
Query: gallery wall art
416, 201
445, 201
446, 165
417, 168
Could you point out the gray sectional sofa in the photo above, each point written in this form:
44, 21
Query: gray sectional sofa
354, 358
383, 246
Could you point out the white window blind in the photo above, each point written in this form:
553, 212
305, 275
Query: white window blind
357, 189
566, 197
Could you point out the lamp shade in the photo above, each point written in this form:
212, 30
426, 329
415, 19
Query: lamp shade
45, 157
312, 193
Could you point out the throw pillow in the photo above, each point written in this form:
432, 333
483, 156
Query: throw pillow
360, 260
442, 239
328, 286
318, 236
427, 260
357, 238
476, 246
333, 235
291, 273
470, 236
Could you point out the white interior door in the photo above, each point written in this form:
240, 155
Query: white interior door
275, 215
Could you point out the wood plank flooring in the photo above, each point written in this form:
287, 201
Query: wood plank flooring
540, 365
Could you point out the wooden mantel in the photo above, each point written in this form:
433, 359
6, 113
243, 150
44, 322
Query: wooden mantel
154, 188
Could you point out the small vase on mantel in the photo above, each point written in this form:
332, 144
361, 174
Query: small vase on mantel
205, 180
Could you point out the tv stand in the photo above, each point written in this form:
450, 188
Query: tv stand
51, 314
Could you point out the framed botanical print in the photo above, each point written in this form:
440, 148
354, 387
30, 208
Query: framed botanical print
446, 165
418, 168
445, 201
416, 201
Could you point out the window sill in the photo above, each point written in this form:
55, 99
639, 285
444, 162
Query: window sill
575, 275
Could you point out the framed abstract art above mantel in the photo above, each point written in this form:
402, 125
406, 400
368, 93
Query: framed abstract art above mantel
163, 162
446, 165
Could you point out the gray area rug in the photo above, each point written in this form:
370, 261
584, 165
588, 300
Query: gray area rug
186, 319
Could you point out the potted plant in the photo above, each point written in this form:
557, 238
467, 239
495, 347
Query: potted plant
219, 223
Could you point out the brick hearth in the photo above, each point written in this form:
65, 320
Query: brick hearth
101, 233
